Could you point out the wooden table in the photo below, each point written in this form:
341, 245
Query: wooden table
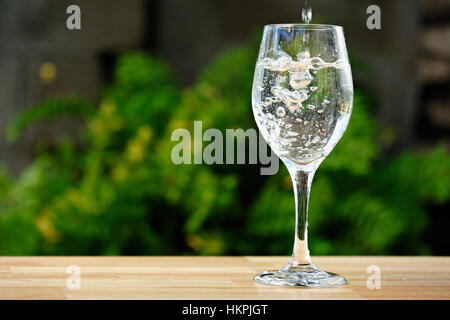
214, 278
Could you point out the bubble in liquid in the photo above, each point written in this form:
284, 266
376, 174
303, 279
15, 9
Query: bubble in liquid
275, 90
300, 79
281, 112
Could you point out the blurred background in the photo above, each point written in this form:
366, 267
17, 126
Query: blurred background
86, 118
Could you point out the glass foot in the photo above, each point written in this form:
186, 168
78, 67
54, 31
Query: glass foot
306, 275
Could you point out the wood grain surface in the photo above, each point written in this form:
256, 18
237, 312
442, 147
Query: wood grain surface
195, 278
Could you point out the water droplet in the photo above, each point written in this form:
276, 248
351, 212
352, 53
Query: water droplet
319, 110
311, 107
306, 15
313, 88
281, 112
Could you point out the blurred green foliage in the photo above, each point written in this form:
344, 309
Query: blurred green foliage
118, 192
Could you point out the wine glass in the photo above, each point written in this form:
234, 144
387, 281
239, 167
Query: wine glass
302, 100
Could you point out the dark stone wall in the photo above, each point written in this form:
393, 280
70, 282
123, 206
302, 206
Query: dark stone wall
35, 32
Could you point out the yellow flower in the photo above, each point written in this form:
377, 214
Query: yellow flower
77, 199
48, 72
213, 246
96, 127
135, 151
145, 133
195, 242
120, 173
107, 108
45, 226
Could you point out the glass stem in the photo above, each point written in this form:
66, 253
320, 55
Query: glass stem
302, 184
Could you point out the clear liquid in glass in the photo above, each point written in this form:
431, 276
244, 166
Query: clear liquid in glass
302, 105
